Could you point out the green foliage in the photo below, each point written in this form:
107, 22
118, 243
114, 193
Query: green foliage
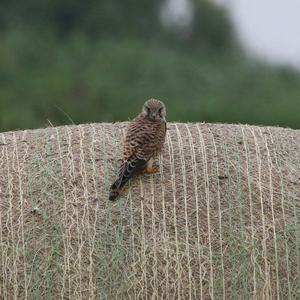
108, 80
99, 60
211, 25
210, 29
93, 18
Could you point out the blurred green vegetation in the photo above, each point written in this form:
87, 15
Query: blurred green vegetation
100, 60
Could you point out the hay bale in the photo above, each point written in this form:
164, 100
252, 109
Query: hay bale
220, 220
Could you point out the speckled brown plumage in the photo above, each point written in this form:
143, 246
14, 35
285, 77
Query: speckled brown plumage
144, 140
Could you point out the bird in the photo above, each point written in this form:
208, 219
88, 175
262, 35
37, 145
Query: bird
144, 140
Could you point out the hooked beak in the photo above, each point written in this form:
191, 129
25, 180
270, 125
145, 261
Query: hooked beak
153, 116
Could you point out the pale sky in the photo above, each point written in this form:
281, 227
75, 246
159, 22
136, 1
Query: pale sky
268, 29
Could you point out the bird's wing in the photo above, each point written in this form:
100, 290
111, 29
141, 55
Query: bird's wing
140, 139
127, 170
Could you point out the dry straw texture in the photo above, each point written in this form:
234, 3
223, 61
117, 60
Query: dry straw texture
220, 220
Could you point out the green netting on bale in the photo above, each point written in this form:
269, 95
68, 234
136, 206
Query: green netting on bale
220, 220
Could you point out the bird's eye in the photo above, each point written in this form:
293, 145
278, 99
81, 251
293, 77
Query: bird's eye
160, 111
148, 110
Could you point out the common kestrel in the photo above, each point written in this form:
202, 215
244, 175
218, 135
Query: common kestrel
144, 140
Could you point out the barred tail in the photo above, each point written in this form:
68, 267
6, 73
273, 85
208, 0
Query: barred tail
128, 169
114, 192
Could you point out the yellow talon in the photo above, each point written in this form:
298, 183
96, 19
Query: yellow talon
151, 170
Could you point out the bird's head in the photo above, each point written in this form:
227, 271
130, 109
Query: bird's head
155, 110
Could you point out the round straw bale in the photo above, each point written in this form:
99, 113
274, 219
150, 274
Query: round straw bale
219, 220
